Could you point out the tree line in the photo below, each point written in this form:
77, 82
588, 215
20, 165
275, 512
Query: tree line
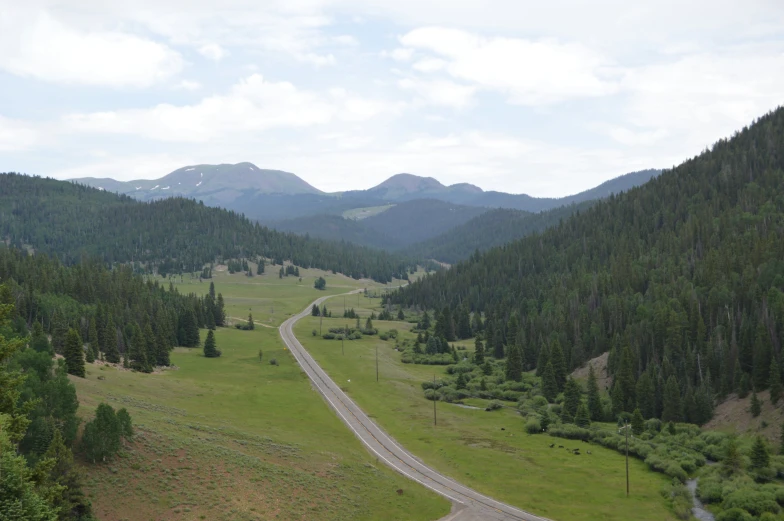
681, 280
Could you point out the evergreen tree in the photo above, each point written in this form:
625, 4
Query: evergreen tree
774, 379
89, 355
315, 311
559, 364
251, 326
400, 315
479, 351
572, 400
92, 334
645, 392
514, 363
111, 354
125, 424
756, 405
210, 347
626, 380
220, 316
760, 458
781, 439
733, 460
151, 346
745, 386
212, 290
39, 342
582, 418
369, 324
425, 321
498, 344
162, 350
762, 357
594, 398
137, 354
672, 406
541, 362
73, 352
638, 423
461, 381
101, 439
549, 383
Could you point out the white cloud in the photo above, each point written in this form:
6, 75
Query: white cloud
188, 85
33, 44
429, 65
528, 72
252, 105
439, 92
213, 51
17, 135
346, 39
399, 54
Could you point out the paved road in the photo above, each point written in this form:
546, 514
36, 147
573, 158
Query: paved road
476, 505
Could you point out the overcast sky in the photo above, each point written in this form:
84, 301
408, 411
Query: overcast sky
546, 98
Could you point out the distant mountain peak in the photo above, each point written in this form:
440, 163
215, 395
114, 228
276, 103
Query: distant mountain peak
410, 183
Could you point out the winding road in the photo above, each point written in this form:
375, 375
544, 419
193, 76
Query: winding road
471, 505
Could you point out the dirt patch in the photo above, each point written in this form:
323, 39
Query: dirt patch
734, 415
599, 368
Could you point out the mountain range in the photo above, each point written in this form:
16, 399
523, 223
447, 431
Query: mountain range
397, 214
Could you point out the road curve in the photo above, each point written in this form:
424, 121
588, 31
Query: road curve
386, 448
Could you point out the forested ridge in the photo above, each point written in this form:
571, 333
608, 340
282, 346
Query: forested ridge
681, 280
69, 221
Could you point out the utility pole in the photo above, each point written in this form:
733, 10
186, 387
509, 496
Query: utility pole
321, 321
376, 363
342, 341
435, 420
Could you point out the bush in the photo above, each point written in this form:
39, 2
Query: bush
570, 432
709, 490
314, 332
734, 514
753, 501
533, 426
273, 361
494, 406
329, 336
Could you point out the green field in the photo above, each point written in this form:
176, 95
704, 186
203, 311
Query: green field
234, 438
488, 451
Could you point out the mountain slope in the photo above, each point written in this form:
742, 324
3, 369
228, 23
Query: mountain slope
681, 280
69, 220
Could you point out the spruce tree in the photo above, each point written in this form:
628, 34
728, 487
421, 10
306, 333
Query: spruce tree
461, 381
498, 345
549, 384
400, 315
762, 357
733, 460
89, 355
220, 315
315, 311
514, 363
672, 406
582, 418
760, 458
479, 351
638, 423
73, 352
162, 350
594, 398
39, 341
774, 380
151, 346
210, 347
559, 364
541, 362
625, 378
572, 399
137, 354
111, 354
756, 405
251, 325
92, 334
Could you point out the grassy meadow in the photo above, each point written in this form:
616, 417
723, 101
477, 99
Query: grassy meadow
488, 451
236, 438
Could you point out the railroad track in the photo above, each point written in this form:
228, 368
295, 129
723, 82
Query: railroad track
386, 448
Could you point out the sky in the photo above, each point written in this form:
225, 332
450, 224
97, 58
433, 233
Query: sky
545, 98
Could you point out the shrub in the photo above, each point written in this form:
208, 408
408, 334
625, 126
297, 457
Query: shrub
753, 501
533, 426
494, 406
273, 361
570, 432
328, 336
314, 332
709, 490
734, 514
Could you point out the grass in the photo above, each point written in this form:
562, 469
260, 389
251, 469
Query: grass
236, 438
362, 213
488, 451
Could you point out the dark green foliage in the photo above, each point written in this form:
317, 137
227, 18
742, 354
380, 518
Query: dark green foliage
55, 217
39, 341
781, 439
514, 363
400, 315
111, 354
774, 381
138, 352
594, 398
654, 270
251, 326
559, 364
733, 460
320, 283
582, 418
315, 311
210, 347
101, 439
572, 400
549, 383
125, 423
638, 423
760, 458
479, 351
73, 352
756, 405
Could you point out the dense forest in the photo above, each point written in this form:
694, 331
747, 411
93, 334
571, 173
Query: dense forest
491, 229
681, 280
177, 235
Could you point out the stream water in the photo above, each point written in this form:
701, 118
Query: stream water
697, 509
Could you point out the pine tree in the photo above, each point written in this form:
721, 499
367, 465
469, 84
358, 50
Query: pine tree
762, 357
625, 378
594, 399
137, 353
73, 352
549, 384
774, 380
756, 405
541, 362
559, 364
101, 439
212, 290
210, 347
582, 418
672, 406
315, 311
572, 400
400, 315
369, 324
111, 353
220, 315
760, 458
479, 351
92, 334
251, 326
151, 346
638, 423
89, 355
514, 363
733, 460
162, 350
461, 381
